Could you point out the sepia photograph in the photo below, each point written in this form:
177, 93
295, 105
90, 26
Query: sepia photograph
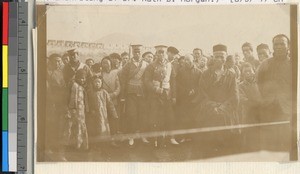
166, 83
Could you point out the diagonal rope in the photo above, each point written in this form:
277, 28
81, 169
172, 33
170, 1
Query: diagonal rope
183, 131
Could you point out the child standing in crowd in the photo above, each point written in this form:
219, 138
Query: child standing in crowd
250, 104
78, 106
250, 98
96, 69
101, 107
231, 64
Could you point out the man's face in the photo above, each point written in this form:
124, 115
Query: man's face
90, 63
106, 66
170, 56
116, 63
248, 73
181, 62
219, 58
280, 46
149, 58
161, 55
188, 61
203, 62
125, 59
197, 54
66, 60
263, 54
247, 52
57, 62
136, 54
230, 62
74, 57
237, 58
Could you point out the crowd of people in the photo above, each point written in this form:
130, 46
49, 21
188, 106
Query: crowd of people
140, 92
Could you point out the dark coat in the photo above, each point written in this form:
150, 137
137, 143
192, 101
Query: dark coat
187, 83
70, 71
220, 98
274, 79
161, 114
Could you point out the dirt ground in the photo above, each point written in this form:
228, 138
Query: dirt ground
254, 144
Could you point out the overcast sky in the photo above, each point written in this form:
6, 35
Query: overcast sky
185, 27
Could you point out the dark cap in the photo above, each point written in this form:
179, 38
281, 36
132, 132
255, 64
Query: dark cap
172, 50
220, 47
262, 46
247, 44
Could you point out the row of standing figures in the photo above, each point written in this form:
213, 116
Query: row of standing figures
166, 94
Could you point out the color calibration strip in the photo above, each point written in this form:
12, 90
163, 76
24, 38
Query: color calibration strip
5, 15
12, 85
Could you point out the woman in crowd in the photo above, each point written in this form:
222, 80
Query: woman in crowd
115, 61
111, 84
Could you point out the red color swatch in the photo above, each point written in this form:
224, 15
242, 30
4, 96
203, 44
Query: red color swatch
5, 23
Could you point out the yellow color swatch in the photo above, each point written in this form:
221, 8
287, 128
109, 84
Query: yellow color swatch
4, 66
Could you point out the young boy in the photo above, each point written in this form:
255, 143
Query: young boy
250, 97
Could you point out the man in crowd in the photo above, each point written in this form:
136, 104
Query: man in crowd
187, 82
90, 62
66, 58
160, 83
172, 54
263, 52
148, 57
202, 64
238, 61
197, 54
218, 92
274, 79
124, 58
132, 92
230, 64
248, 55
73, 66
159, 48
